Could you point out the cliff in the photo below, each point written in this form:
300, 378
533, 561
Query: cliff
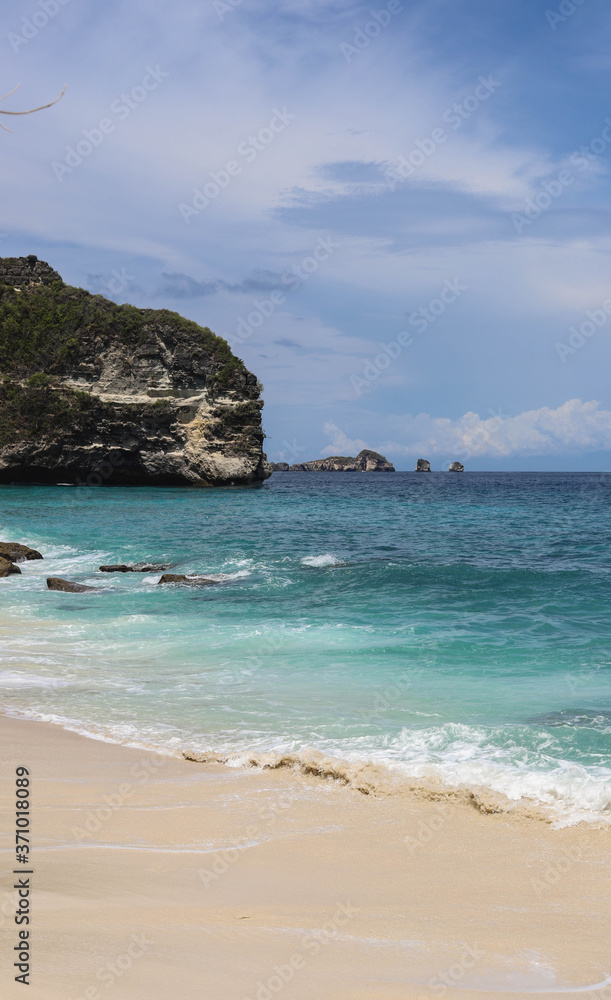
93, 392
365, 461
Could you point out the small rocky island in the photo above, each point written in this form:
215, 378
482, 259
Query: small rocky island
365, 461
95, 393
423, 465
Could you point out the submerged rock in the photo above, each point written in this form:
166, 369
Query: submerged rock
15, 552
94, 393
151, 567
422, 465
457, 467
8, 568
365, 461
56, 583
136, 568
191, 581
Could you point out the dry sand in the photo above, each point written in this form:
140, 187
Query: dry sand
161, 878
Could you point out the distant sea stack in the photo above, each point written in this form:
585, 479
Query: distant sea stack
456, 467
422, 465
365, 461
92, 392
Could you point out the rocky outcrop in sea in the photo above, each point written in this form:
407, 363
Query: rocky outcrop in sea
365, 461
456, 467
96, 393
423, 465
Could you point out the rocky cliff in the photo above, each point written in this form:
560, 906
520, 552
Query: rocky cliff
365, 461
93, 392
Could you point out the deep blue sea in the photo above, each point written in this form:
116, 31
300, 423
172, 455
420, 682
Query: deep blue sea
453, 626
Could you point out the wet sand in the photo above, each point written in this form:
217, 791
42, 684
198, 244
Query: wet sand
161, 878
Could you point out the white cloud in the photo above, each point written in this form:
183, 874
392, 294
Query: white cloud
575, 426
341, 444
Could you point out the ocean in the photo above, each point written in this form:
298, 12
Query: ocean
452, 627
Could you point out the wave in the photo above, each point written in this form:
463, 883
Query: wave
327, 559
561, 799
565, 795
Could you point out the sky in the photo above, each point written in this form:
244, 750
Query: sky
398, 215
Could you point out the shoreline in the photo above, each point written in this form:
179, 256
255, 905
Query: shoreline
378, 779
231, 873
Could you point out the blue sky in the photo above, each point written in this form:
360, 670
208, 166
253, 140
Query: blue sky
400, 220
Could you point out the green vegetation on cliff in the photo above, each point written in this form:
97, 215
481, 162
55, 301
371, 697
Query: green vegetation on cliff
31, 411
44, 327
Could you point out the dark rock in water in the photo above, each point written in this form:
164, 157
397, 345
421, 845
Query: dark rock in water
151, 567
136, 568
18, 553
456, 467
56, 583
365, 461
279, 466
191, 581
94, 393
7, 568
422, 465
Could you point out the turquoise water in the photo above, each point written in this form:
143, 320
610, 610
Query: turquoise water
453, 626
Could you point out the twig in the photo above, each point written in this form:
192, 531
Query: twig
31, 110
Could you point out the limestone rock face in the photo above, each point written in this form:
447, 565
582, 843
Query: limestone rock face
365, 461
23, 272
279, 466
457, 467
422, 465
94, 393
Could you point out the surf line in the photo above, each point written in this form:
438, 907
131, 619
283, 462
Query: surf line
542, 992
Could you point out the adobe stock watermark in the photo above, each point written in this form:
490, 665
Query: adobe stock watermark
421, 319
455, 117
120, 109
551, 190
293, 279
224, 7
142, 772
594, 321
115, 284
32, 25
566, 9
557, 869
450, 978
310, 945
112, 971
123, 455
475, 440
587, 675
428, 828
363, 36
290, 450
248, 150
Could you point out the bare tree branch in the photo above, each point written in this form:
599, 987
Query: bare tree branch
31, 110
